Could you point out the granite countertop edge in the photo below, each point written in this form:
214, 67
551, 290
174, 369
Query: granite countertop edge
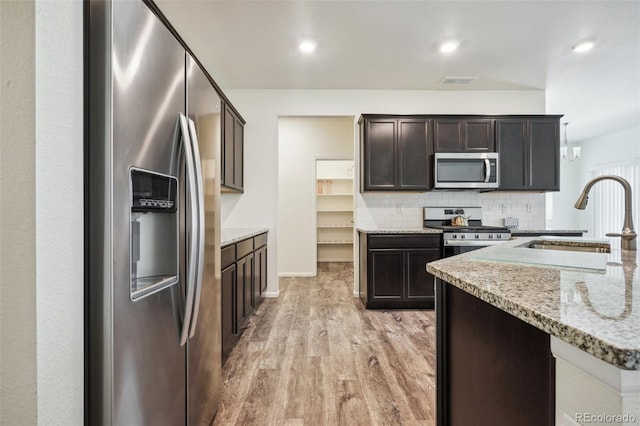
548, 231
621, 357
399, 230
229, 236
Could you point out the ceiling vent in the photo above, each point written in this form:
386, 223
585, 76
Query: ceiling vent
458, 80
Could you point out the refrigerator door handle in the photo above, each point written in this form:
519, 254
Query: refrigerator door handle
191, 276
200, 231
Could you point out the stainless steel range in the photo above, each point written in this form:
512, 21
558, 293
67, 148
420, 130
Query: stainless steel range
469, 234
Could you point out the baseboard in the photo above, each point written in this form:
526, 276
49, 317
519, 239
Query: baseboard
296, 274
356, 294
271, 294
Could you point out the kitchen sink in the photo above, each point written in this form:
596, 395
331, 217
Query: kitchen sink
601, 248
553, 251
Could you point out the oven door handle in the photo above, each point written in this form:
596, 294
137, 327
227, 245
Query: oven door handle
471, 243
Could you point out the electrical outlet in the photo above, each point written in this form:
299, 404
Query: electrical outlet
399, 208
529, 208
504, 208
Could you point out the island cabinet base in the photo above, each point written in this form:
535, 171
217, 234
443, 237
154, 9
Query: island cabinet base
492, 368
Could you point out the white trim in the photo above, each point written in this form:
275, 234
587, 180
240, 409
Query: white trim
271, 294
356, 294
296, 274
624, 382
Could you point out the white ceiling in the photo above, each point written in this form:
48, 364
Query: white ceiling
391, 44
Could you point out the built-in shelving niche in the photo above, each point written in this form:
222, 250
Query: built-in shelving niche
334, 210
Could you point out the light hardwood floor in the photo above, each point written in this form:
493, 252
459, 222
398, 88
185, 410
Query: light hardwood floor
315, 356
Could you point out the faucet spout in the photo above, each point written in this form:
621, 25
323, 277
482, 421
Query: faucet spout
628, 234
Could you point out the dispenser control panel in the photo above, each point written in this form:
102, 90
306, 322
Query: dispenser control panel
152, 191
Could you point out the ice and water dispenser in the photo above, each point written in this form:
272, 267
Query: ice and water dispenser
153, 232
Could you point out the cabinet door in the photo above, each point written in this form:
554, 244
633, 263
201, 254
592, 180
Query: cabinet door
386, 275
245, 288
260, 273
478, 136
228, 303
419, 283
379, 153
263, 271
512, 146
447, 135
544, 148
238, 156
228, 151
242, 276
414, 171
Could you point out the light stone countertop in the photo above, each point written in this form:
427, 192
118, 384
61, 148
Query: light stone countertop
548, 231
233, 235
595, 311
399, 230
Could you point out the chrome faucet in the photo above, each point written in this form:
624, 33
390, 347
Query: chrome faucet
628, 235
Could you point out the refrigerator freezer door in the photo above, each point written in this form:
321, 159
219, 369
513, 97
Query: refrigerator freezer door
148, 83
205, 347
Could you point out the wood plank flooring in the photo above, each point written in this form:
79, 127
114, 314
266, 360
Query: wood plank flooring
315, 356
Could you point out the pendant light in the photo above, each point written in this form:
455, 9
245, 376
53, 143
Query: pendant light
564, 149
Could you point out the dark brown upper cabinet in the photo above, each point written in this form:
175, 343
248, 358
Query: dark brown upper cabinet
232, 150
452, 134
529, 150
395, 153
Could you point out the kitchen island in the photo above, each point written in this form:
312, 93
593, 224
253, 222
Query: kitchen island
529, 343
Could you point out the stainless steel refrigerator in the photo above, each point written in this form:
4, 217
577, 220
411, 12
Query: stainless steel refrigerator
152, 286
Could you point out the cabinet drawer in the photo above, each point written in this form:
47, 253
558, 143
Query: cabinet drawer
227, 256
260, 240
244, 247
392, 241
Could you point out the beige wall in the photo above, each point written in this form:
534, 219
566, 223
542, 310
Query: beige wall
18, 403
302, 140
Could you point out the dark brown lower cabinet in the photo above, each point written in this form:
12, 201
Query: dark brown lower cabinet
419, 283
228, 307
492, 368
393, 270
244, 280
386, 278
244, 285
260, 272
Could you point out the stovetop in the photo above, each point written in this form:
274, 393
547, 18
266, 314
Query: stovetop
469, 229
441, 217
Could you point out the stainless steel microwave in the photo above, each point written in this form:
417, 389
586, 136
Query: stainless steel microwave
467, 170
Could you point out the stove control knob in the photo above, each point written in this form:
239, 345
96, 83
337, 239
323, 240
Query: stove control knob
498, 236
477, 236
455, 236
462, 236
490, 235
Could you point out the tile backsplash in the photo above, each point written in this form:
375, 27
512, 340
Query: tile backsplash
404, 210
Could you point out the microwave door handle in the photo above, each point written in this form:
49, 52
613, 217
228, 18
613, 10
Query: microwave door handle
193, 243
200, 229
487, 170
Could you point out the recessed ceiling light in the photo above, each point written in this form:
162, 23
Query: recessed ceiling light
307, 46
449, 46
583, 46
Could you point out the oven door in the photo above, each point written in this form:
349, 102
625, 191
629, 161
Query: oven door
453, 248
